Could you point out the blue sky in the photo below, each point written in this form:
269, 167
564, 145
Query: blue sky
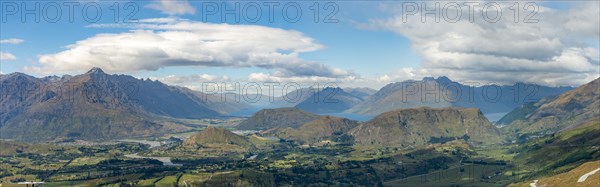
369, 46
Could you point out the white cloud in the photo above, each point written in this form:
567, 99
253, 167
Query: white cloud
190, 79
551, 52
266, 77
12, 41
172, 7
157, 43
7, 56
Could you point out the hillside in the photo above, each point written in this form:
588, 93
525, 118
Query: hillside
554, 114
414, 127
329, 100
277, 118
316, 130
14, 147
570, 178
562, 151
212, 135
520, 113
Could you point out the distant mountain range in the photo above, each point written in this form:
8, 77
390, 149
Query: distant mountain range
443, 92
98, 106
329, 100
431, 92
277, 118
321, 101
423, 125
362, 93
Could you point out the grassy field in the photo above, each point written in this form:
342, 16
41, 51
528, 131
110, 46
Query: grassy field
467, 175
87, 161
167, 181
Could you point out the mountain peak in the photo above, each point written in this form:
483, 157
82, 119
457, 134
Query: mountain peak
441, 79
444, 78
95, 70
428, 78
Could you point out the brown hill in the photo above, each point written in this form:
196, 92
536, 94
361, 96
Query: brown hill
212, 135
414, 127
316, 130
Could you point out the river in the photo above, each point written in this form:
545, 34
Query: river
165, 160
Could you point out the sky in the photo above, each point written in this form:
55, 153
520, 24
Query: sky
350, 43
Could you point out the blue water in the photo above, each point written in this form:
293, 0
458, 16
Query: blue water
493, 117
356, 117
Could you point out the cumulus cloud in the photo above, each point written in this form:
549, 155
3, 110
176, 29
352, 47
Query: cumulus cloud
172, 7
553, 51
7, 56
276, 77
12, 41
164, 42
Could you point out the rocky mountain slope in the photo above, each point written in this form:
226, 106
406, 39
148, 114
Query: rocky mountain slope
94, 106
419, 126
316, 130
554, 114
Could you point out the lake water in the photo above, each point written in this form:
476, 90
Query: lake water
493, 117
152, 144
356, 117
165, 160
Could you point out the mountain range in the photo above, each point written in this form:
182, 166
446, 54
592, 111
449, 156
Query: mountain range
442, 92
423, 125
329, 100
277, 118
96, 106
